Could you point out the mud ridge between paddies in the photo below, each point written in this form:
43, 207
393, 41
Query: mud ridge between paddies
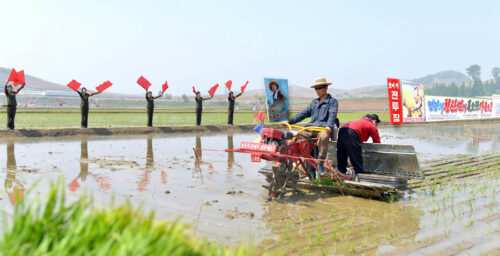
205, 129
455, 210
190, 129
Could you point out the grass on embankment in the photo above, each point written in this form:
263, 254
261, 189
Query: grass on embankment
55, 227
50, 119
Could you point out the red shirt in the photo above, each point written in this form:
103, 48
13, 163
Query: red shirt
365, 128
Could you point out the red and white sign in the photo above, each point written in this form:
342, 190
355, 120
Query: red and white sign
255, 158
395, 108
258, 147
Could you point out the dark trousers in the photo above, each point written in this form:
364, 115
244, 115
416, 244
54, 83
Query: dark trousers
85, 116
349, 145
230, 116
198, 116
150, 117
11, 114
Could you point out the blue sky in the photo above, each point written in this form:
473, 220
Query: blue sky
200, 43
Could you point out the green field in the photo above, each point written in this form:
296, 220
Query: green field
30, 118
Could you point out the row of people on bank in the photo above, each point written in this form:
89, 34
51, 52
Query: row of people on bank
10, 93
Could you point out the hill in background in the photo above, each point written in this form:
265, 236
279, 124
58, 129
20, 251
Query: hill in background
295, 91
444, 77
35, 84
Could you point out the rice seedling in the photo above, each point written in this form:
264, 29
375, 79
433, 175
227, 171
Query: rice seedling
53, 226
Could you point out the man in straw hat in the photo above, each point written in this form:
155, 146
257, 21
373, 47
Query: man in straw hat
323, 112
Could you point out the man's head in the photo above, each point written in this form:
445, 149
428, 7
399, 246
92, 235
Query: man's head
231, 93
321, 86
198, 93
150, 94
9, 88
84, 90
374, 118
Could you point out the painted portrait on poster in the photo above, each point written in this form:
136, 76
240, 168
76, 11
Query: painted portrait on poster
277, 99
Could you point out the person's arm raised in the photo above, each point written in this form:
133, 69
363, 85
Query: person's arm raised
17, 91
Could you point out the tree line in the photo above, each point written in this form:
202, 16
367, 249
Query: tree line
470, 89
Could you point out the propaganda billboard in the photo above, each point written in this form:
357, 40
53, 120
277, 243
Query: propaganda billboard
439, 108
394, 93
412, 102
496, 106
277, 99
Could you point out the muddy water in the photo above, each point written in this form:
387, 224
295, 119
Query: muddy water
221, 194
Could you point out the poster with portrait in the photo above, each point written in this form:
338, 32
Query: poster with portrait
413, 102
277, 99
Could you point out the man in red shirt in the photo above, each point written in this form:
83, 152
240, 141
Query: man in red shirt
351, 136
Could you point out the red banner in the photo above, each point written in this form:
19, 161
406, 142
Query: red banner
74, 85
395, 106
103, 86
212, 90
244, 87
164, 87
228, 84
143, 82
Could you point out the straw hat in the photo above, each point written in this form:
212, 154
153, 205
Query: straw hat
271, 83
320, 82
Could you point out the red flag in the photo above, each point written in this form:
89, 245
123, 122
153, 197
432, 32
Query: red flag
194, 90
74, 85
244, 87
143, 82
212, 90
17, 77
261, 116
103, 86
13, 76
228, 84
20, 78
164, 87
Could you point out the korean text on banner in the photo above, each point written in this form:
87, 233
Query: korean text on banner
394, 91
438, 108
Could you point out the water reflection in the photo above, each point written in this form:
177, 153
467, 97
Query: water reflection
198, 152
13, 187
84, 155
149, 154
144, 177
84, 165
230, 155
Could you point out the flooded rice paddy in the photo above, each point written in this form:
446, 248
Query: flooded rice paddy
455, 210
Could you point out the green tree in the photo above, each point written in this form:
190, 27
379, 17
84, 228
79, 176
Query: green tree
474, 71
453, 90
495, 72
477, 88
461, 90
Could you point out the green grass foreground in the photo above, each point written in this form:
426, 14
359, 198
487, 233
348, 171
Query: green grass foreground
126, 118
55, 227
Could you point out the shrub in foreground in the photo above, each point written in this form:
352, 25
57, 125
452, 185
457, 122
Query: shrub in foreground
54, 227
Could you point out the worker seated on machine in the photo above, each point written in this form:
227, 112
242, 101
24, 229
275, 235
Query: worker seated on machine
323, 112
